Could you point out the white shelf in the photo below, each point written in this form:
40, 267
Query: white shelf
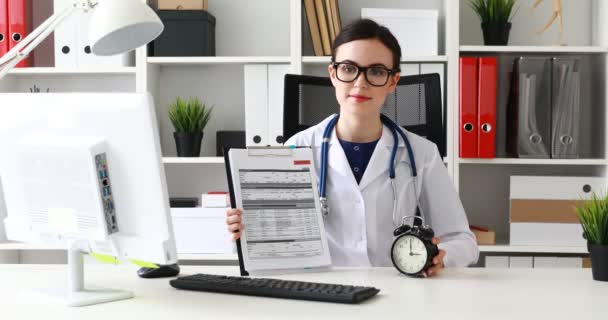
407, 59
167, 61
234, 257
25, 246
13, 246
560, 162
548, 49
193, 160
532, 249
61, 71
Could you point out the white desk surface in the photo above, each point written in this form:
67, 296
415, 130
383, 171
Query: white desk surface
474, 293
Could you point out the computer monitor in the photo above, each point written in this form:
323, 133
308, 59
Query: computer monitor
84, 171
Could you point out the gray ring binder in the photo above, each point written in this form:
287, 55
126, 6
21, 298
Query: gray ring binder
536, 138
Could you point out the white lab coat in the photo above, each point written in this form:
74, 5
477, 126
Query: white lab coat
359, 226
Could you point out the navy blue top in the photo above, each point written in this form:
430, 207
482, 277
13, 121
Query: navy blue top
358, 155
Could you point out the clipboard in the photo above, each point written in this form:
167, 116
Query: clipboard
281, 162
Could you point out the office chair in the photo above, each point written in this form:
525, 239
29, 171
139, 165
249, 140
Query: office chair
415, 105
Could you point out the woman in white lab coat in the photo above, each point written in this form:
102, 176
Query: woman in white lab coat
360, 223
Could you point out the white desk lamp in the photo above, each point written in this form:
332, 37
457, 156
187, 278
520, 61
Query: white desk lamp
117, 26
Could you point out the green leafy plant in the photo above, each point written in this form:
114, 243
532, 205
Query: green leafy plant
593, 215
189, 116
493, 10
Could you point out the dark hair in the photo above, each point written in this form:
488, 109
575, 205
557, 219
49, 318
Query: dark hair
368, 29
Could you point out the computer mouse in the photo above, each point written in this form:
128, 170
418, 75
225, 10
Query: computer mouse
163, 271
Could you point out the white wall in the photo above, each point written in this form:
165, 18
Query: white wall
181, 184
266, 22
221, 86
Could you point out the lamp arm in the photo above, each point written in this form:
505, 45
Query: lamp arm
29, 43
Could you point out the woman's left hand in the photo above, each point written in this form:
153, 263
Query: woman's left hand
437, 261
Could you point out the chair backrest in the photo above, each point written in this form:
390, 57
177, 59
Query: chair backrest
415, 105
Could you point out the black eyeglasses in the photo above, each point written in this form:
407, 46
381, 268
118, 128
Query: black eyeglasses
376, 76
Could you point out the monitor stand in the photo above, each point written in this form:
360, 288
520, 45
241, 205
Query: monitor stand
76, 294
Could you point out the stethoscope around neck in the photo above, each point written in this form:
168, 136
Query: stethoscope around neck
395, 129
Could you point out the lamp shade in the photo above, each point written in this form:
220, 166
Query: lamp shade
119, 26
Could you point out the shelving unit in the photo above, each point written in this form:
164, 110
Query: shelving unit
586, 37
247, 34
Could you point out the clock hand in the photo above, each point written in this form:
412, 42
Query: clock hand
411, 247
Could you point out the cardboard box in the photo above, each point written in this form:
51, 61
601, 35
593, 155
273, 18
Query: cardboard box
183, 5
586, 263
484, 237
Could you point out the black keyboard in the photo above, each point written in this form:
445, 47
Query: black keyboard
275, 288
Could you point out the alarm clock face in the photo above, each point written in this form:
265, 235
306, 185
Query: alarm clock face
409, 254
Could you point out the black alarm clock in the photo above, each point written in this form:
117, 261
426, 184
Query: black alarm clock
413, 250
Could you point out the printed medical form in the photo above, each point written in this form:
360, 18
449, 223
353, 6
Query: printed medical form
277, 190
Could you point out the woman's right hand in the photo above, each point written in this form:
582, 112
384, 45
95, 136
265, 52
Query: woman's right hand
234, 222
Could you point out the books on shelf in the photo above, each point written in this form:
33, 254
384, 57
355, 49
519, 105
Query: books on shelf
335, 14
323, 17
313, 26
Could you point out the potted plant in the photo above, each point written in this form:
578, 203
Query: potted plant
189, 119
593, 215
495, 16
